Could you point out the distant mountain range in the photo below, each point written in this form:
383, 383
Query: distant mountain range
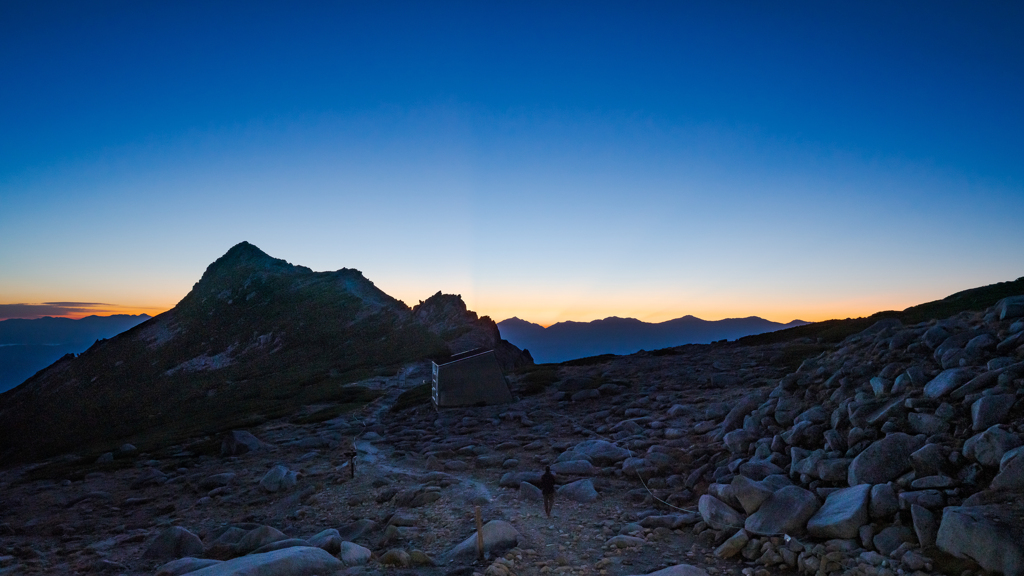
256, 338
569, 340
28, 346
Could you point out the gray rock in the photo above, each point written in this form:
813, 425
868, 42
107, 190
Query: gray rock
988, 411
930, 459
257, 538
149, 477
933, 499
528, 491
579, 491
174, 542
786, 511
749, 493
947, 381
834, 470
670, 521
1011, 471
513, 479
357, 530
217, 480
631, 466
890, 539
937, 481
760, 469
717, 514
1011, 307
883, 460
733, 545
278, 478
281, 545
880, 385
738, 441
884, 502
934, 337
498, 537
926, 424
297, 561
623, 541
977, 384
747, 404
354, 554
988, 447
992, 536
925, 525
239, 442
598, 452
843, 513
328, 540
679, 570
582, 395
185, 565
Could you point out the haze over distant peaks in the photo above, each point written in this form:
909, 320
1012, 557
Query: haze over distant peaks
29, 345
614, 335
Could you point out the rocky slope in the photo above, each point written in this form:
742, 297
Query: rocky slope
894, 452
256, 338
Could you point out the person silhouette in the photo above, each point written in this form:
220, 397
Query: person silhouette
547, 488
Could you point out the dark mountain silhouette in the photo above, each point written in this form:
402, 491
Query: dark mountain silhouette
568, 340
27, 346
255, 338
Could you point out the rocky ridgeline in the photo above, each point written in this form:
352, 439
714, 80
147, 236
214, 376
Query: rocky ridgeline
903, 444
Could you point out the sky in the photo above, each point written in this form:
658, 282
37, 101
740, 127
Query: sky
550, 161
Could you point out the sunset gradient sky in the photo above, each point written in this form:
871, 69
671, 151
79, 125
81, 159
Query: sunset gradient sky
551, 161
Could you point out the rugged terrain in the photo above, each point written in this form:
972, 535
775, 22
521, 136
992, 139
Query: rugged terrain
255, 339
894, 451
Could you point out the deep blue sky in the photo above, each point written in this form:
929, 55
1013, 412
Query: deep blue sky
568, 161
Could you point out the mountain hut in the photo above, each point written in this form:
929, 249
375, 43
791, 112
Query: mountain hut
469, 379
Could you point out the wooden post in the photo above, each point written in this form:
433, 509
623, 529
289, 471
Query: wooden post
479, 535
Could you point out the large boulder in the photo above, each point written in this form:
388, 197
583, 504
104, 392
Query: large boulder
843, 513
1011, 471
1011, 307
597, 452
574, 467
354, 554
240, 442
884, 460
172, 543
278, 478
718, 515
947, 381
992, 536
884, 502
498, 536
988, 411
750, 494
579, 491
784, 512
987, 448
328, 540
257, 538
297, 561
889, 539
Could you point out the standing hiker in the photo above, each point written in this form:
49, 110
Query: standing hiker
547, 488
